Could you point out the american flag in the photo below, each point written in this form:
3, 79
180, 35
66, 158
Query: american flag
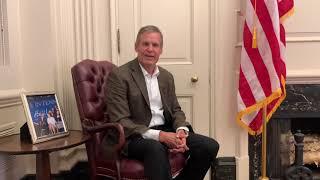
262, 69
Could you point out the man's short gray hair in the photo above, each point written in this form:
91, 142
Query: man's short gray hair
149, 29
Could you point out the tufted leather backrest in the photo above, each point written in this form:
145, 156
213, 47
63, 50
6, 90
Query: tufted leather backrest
89, 82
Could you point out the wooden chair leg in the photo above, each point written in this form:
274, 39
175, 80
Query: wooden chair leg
118, 169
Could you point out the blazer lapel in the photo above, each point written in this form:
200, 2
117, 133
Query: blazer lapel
139, 79
164, 96
162, 88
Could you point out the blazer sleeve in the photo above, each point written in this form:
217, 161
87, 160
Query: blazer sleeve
117, 105
178, 116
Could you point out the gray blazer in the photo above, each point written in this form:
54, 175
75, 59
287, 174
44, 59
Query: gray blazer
128, 103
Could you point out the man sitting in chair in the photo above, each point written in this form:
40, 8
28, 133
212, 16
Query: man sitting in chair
141, 97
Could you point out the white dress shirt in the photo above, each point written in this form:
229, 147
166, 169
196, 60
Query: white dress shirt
155, 104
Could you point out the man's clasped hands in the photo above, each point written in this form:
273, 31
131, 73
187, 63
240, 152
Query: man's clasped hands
176, 142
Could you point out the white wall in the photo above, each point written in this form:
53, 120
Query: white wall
303, 36
9, 73
46, 39
31, 68
226, 37
38, 53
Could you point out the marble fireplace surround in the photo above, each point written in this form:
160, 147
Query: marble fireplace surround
300, 109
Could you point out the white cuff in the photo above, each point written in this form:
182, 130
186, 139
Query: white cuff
151, 134
186, 129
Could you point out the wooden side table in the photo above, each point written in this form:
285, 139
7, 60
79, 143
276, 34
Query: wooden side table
13, 146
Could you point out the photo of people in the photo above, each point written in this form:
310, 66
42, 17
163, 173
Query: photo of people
45, 114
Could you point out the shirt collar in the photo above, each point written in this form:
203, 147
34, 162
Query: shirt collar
145, 73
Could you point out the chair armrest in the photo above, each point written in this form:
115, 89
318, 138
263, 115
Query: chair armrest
100, 128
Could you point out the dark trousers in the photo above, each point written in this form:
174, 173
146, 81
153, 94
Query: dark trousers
154, 155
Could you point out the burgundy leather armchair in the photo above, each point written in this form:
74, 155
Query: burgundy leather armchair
89, 82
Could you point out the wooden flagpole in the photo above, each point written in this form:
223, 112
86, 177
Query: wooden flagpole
264, 146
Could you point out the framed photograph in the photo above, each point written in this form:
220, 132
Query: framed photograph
44, 117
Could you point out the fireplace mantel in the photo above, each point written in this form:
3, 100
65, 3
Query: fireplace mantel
302, 101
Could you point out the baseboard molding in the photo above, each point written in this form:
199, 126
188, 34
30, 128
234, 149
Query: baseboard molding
70, 157
242, 167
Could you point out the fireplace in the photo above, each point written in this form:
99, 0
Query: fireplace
299, 111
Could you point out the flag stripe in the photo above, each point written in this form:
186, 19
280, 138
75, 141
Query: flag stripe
256, 60
267, 26
241, 104
251, 78
256, 123
271, 7
262, 69
282, 50
264, 51
248, 119
246, 95
285, 6
282, 35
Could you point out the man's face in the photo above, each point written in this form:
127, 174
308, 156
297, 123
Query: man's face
149, 49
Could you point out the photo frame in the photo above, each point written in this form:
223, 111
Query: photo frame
44, 117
